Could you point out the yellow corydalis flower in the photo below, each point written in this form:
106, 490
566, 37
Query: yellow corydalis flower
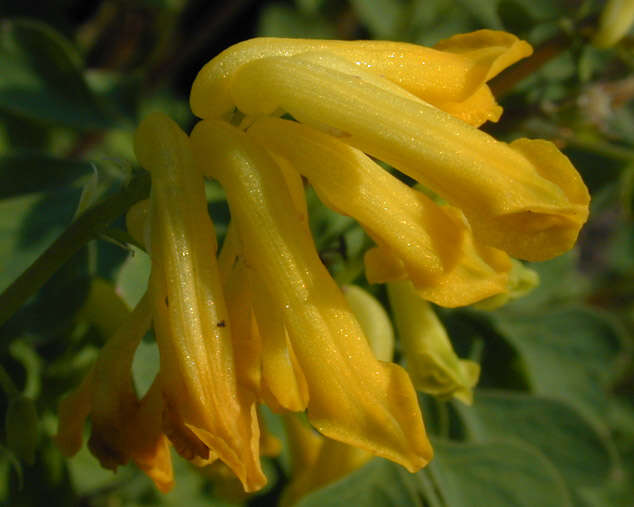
525, 198
207, 415
430, 359
453, 72
315, 460
124, 428
432, 244
352, 397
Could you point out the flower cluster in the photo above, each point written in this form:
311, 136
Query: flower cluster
264, 322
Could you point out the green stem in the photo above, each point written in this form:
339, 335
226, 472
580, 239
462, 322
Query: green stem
88, 226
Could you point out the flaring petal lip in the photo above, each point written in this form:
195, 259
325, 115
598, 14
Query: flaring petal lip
352, 397
525, 198
207, 413
450, 73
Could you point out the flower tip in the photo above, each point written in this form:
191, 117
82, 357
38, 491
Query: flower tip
158, 142
159, 466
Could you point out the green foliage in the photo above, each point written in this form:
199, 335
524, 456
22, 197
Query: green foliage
553, 420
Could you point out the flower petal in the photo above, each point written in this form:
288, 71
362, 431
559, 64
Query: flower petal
433, 243
373, 319
431, 74
419, 232
476, 109
206, 412
492, 50
353, 397
72, 413
510, 199
114, 400
149, 447
246, 340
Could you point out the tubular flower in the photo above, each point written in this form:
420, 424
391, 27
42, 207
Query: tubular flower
432, 244
265, 322
525, 198
351, 396
315, 460
206, 415
124, 428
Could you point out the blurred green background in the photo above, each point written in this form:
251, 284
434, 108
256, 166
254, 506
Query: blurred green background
553, 420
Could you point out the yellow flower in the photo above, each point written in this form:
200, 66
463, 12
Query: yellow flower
207, 415
315, 460
265, 321
352, 397
123, 427
431, 245
524, 198
454, 72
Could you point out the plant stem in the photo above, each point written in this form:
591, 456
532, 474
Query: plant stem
88, 226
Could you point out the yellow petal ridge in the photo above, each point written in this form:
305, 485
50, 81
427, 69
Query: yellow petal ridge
492, 50
476, 109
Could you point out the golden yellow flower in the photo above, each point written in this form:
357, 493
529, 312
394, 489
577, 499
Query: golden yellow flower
315, 460
352, 397
432, 245
124, 428
207, 415
265, 321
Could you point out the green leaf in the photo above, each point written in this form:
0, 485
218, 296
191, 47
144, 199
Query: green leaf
570, 353
559, 282
496, 474
23, 174
571, 442
28, 224
42, 77
377, 484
